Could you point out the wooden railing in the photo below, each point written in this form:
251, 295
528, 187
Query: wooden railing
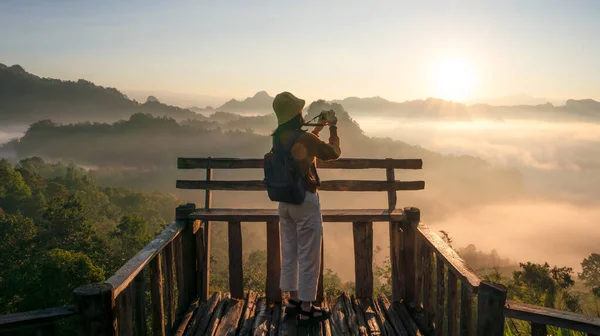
159, 288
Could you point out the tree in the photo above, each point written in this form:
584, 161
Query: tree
539, 284
591, 270
131, 235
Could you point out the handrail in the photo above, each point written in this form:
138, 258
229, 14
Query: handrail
125, 275
35, 318
455, 263
346, 163
548, 316
332, 185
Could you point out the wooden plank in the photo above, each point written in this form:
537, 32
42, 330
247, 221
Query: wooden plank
199, 235
553, 317
269, 215
466, 309
203, 313
95, 305
124, 304
202, 321
229, 322
36, 318
277, 312
363, 328
392, 318
125, 275
452, 304
346, 163
454, 262
411, 327
156, 292
217, 315
247, 318
236, 273
140, 324
538, 329
260, 325
382, 321
441, 296
181, 327
341, 185
326, 325
169, 286
397, 262
491, 299
273, 293
369, 315
351, 319
339, 323
205, 273
428, 286
363, 258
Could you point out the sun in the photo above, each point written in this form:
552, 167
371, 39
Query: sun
453, 79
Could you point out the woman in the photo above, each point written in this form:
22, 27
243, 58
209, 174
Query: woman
301, 226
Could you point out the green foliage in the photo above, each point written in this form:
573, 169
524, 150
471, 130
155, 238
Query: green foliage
591, 270
60, 230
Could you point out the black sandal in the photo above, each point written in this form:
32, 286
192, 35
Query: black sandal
312, 319
293, 308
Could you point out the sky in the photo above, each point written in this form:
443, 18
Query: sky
461, 50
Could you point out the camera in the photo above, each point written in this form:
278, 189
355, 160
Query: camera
326, 114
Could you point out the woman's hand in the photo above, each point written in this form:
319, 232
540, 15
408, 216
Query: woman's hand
318, 129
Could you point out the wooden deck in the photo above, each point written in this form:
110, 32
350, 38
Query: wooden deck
222, 315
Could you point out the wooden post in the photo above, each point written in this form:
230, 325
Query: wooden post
170, 289
140, 326
156, 291
205, 269
95, 305
397, 262
236, 274
392, 196
181, 308
188, 247
272, 290
466, 308
538, 329
410, 252
200, 251
441, 296
124, 305
491, 298
452, 303
363, 259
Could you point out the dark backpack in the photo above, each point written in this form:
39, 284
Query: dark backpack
283, 179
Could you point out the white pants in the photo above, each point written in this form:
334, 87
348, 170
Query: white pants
301, 229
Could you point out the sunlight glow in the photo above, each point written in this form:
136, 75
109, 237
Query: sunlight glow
453, 79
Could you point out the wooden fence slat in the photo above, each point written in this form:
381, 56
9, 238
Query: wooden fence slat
554, 317
418, 273
392, 197
363, 258
272, 290
179, 278
452, 304
466, 308
332, 185
205, 272
491, 298
538, 329
346, 163
156, 292
397, 262
428, 289
140, 326
200, 249
35, 318
236, 275
169, 286
440, 291
124, 304
410, 245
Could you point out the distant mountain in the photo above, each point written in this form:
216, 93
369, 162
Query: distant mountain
26, 98
515, 100
260, 101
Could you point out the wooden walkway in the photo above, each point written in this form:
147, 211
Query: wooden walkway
222, 315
